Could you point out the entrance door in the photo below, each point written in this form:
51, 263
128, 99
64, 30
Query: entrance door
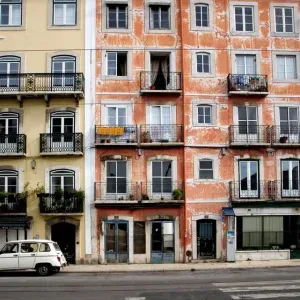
206, 239
247, 124
249, 184
64, 235
290, 178
161, 120
162, 242
116, 242
9, 127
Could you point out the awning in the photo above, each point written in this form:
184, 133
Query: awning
228, 211
15, 222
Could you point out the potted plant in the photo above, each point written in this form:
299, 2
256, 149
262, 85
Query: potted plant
177, 194
152, 87
145, 197
283, 139
102, 141
108, 141
146, 137
131, 197
165, 141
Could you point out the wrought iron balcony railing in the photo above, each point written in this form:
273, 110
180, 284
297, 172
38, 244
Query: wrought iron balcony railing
286, 135
249, 134
251, 190
287, 189
115, 135
12, 203
12, 144
61, 142
57, 204
42, 83
161, 133
160, 82
248, 84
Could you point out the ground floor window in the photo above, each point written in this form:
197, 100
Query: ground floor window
139, 238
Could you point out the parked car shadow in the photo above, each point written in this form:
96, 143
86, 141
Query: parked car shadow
18, 274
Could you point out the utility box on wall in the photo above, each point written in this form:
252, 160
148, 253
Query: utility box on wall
230, 246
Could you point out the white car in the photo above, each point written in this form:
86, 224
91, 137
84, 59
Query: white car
44, 256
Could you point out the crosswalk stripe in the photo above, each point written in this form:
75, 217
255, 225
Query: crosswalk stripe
266, 296
234, 284
260, 288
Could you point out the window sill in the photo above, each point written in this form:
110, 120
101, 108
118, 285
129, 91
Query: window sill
117, 30
64, 27
7, 28
283, 34
204, 125
286, 81
116, 78
203, 75
205, 180
196, 28
243, 33
158, 31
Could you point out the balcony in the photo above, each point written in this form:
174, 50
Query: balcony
116, 135
286, 136
12, 204
160, 82
239, 84
61, 144
54, 204
287, 190
243, 191
12, 144
161, 135
249, 135
29, 84
138, 194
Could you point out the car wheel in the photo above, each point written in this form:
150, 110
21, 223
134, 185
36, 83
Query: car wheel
44, 270
56, 270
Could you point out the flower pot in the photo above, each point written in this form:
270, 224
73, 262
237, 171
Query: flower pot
283, 139
152, 87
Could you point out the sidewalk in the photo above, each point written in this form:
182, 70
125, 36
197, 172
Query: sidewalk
115, 268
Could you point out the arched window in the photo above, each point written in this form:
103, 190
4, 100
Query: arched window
9, 68
203, 62
202, 15
204, 114
8, 181
206, 170
62, 122
63, 69
63, 179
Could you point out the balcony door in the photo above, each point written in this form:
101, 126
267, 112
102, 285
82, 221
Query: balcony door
9, 128
62, 131
289, 123
162, 178
63, 69
290, 178
9, 68
116, 180
8, 184
62, 180
249, 179
245, 64
117, 117
161, 120
247, 124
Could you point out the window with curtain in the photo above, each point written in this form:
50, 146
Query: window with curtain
9, 68
116, 63
284, 19
245, 64
62, 180
286, 67
244, 18
11, 13
204, 114
202, 15
206, 169
64, 12
117, 15
159, 17
203, 63
161, 123
162, 176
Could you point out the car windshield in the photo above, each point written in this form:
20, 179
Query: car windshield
56, 247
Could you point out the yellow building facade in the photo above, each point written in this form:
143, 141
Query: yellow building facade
42, 61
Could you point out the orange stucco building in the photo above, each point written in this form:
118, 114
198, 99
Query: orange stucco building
196, 129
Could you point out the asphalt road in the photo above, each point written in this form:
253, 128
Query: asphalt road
239, 284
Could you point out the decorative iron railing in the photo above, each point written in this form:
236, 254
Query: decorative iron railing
57, 204
160, 81
13, 143
161, 133
286, 134
250, 134
12, 203
247, 83
126, 134
41, 82
61, 142
251, 190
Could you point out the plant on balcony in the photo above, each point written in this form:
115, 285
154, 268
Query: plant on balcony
145, 197
177, 194
146, 137
283, 139
4, 207
131, 197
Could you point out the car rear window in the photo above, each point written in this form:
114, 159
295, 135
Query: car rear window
56, 247
45, 248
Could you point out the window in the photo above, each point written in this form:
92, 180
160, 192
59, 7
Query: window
9, 68
44, 248
117, 16
203, 63
162, 176
116, 116
116, 176
286, 67
9, 124
289, 123
290, 178
10, 248
284, 19
204, 114
159, 17
64, 12
11, 13
245, 64
139, 242
161, 127
247, 120
8, 184
29, 247
202, 15
249, 179
244, 18
63, 69
206, 169
62, 180
116, 64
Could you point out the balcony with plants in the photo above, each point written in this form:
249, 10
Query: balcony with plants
13, 203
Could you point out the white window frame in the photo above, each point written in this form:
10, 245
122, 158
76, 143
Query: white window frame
159, 17
294, 57
245, 63
235, 53
256, 28
212, 71
62, 173
116, 177
8, 60
210, 4
9, 173
201, 6
243, 7
10, 116
162, 177
283, 10
210, 115
117, 5
214, 158
204, 54
212, 169
296, 19
65, 3
10, 5
117, 107
214, 113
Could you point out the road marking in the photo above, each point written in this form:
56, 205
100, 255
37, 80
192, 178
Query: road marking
255, 283
266, 296
260, 288
135, 298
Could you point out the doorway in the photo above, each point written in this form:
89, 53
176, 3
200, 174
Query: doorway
64, 235
206, 239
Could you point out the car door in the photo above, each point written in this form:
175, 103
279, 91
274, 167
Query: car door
9, 257
27, 255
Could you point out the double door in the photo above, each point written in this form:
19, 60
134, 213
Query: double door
9, 127
290, 178
249, 179
161, 124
